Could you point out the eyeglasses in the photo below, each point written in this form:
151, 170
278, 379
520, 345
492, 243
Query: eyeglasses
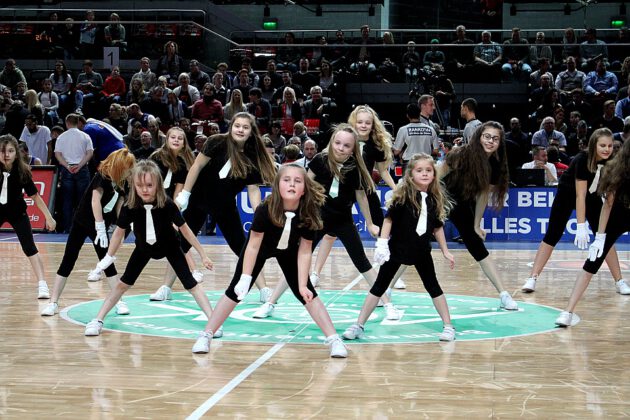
488, 137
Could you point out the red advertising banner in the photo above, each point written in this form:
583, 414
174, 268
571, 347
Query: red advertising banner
45, 179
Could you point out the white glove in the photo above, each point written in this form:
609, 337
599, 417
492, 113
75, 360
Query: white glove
182, 199
381, 253
101, 235
101, 266
582, 237
597, 247
242, 287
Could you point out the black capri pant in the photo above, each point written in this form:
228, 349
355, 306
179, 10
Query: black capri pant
375, 209
618, 224
75, 242
347, 232
424, 267
22, 228
228, 220
174, 255
463, 217
561, 209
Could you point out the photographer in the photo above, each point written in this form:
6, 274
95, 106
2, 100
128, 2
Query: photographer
432, 81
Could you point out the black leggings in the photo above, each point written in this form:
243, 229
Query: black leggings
287, 260
463, 217
22, 228
618, 224
561, 209
375, 209
347, 232
140, 258
228, 220
424, 267
75, 242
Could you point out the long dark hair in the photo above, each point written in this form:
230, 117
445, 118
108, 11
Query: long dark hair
616, 176
24, 170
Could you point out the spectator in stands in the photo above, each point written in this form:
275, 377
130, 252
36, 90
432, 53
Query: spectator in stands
200, 140
600, 84
198, 77
135, 114
114, 88
411, 62
488, 55
176, 109
33, 106
227, 79
207, 109
362, 60
271, 150
461, 57
219, 89
340, 51
69, 40
275, 135
558, 115
287, 81
518, 152
89, 84
543, 69
287, 55
540, 50
622, 108
310, 150
547, 106
4, 107
62, 84
163, 83
37, 138
570, 46
537, 95
553, 157
433, 55
15, 119
136, 94
11, 74
618, 49
187, 93
592, 50
50, 35
623, 91
289, 110
609, 119
516, 55
571, 133
317, 107
539, 161
267, 89
149, 79
132, 140
259, 108
171, 64
303, 77
117, 118
50, 103
577, 104
20, 91
115, 34
624, 136
569, 79
87, 37
547, 133
233, 107
242, 83
29, 159
158, 138
154, 105
253, 77
319, 53
384, 59
185, 125
146, 149
468, 111
327, 79
291, 153
299, 133
276, 78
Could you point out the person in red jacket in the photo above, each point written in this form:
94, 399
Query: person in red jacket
114, 87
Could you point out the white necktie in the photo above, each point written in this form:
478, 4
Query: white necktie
150, 229
283, 243
4, 195
334, 187
167, 180
361, 146
110, 205
223, 173
593, 187
421, 227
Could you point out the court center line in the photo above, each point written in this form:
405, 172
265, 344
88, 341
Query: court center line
236, 381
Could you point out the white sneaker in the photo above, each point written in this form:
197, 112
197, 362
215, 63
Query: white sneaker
447, 334
400, 284
202, 345
353, 332
337, 348
93, 328
197, 275
265, 310
529, 286
218, 333
95, 275
567, 319
391, 313
507, 302
122, 308
314, 277
49, 310
265, 294
163, 293
42, 290
622, 287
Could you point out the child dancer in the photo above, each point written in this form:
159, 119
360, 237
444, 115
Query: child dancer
228, 163
342, 173
153, 215
96, 212
614, 220
16, 176
284, 226
577, 190
417, 210
471, 172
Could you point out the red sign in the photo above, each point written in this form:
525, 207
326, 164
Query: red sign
45, 179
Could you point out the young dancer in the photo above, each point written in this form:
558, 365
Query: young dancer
416, 211
577, 190
342, 173
228, 163
470, 173
95, 213
16, 176
614, 220
284, 226
153, 215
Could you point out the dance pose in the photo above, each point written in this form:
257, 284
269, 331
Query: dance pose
153, 215
470, 173
416, 212
16, 176
577, 190
614, 221
284, 226
96, 212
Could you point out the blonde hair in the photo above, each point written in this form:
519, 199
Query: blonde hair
117, 165
592, 146
141, 169
166, 156
379, 135
366, 179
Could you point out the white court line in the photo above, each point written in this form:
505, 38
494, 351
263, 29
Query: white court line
236, 381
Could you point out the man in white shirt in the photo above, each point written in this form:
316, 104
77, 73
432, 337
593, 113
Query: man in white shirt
37, 138
417, 136
539, 161
310, 150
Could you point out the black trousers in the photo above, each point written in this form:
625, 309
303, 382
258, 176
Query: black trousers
75, 242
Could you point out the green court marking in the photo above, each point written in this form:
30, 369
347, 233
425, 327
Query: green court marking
474, 318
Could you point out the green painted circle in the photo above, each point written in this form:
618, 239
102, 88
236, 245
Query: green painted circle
474, 318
